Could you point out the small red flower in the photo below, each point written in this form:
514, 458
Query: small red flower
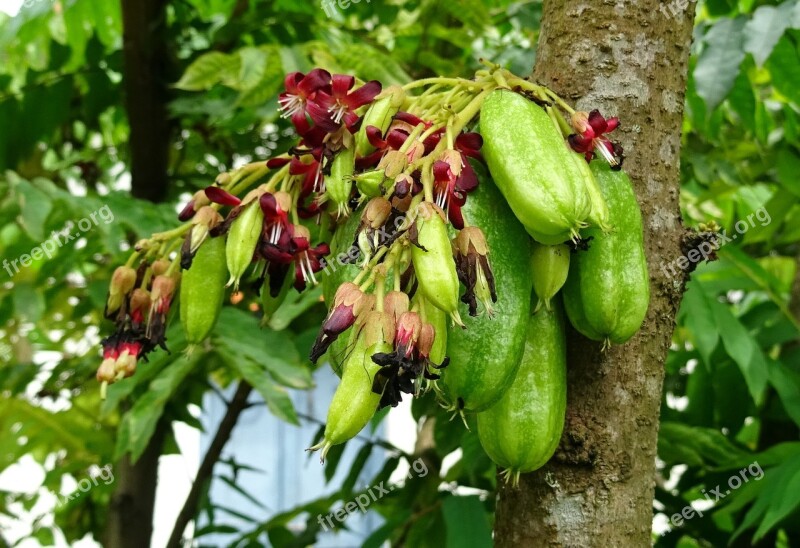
300, 91
329, 110
590, 138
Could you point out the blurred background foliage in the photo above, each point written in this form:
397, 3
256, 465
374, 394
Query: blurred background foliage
732, 391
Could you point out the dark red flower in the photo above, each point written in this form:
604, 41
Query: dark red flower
329, 110
308, 260
453, 178
590, 138
222, 197
300, 91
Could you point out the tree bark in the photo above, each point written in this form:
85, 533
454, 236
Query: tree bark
145, 54
130, 514
627, 59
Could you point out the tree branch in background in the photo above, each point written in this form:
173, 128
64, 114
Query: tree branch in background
130, 514
235, 408
146, 55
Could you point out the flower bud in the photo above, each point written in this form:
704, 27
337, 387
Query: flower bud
395, 303
409, 326
348, 303
198, 201
376, 213
393, 163
122, 281
160, 266
140, 305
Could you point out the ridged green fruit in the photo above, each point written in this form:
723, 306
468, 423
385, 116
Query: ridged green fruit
484, 357
533, 168
242, 240
549, 268
433, 261
521, 432
608, 290
599, 216
354, 403
202, 290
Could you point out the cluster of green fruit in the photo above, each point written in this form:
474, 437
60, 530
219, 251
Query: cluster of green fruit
397, 181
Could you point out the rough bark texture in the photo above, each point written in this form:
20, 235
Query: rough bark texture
629, 59
146, 55
130, 515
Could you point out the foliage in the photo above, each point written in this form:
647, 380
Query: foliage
732, 393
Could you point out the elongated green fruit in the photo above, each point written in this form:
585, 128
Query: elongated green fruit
521, 431
485, 356
433, 261
608, 290
549, 268
438, 319
599, 215
202, 290
354, 403
271, 304
242, 240
532, 166
339, 183
379, 115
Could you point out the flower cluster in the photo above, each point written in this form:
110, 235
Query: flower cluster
138, 303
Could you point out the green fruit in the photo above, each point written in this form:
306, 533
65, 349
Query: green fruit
599, 216
438, 319
354, 403
242, 240
549, 268
339, 184
379, 115
608, 291
484, 357
532, 166
433, 261
521, 432
202, 290
271, 304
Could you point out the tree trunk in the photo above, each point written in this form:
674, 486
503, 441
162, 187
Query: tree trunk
627, 59
130, 514
146, 55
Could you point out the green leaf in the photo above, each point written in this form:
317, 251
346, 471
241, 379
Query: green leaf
252, 67
702, 447
764, 30
238, 338
355, 469
779, 497
718, 65
208, 70
784, 69
466, 522
294, 305
699, 320
787, 384
139, 423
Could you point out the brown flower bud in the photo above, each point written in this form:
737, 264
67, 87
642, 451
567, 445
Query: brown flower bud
395, 303
122, 281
